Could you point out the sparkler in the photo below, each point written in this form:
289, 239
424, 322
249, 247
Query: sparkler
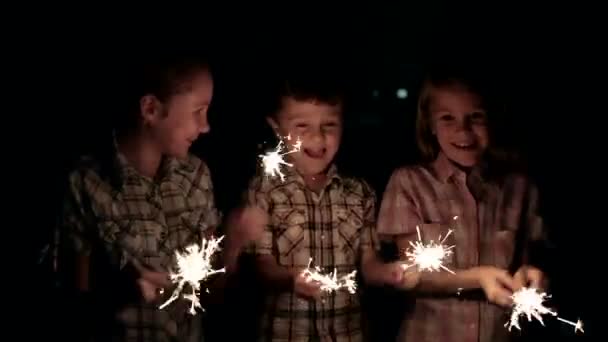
194, 266
330, 282
429, 257
529, 302
273, 160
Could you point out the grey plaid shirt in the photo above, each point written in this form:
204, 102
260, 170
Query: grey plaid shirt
118, 217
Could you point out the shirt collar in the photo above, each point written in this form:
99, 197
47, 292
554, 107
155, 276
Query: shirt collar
445, 170
292, 175
124, 173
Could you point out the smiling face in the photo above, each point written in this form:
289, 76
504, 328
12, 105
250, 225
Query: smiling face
178, 121
318, 125
459, 123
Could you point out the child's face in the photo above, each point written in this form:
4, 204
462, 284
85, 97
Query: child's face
184, 117
460, 125
319, 127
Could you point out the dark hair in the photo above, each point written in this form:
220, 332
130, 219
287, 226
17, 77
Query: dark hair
317, 85
162, 76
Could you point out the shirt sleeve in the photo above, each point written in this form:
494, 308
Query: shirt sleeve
398, 213
537, 242
369, 234
204, 196
72, 232
257, 195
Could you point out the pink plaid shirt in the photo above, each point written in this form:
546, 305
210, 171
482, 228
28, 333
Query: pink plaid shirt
492, 219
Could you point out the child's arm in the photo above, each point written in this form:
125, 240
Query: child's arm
375, 271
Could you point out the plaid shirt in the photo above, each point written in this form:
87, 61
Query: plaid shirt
120, 217
494, 221
332, 228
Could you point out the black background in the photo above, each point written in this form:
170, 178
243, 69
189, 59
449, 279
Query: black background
545, 61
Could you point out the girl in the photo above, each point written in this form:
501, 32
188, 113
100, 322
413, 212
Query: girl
493, 214
129, 209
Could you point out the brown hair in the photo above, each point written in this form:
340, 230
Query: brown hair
162, 76
310, 85
498, 151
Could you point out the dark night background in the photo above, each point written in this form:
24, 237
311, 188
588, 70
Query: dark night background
542, 64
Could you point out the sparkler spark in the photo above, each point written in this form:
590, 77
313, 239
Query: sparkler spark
330, 282
530, 302
273, 160
429, 257
194, 266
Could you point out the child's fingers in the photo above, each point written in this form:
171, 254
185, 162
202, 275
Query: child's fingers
502, 297
504, 279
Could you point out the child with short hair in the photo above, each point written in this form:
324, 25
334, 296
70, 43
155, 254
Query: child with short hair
315, 213
494, 215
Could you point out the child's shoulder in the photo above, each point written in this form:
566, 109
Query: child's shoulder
357, 186
518, 180
194, 166
413, 173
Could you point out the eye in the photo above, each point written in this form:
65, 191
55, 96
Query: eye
301, 125
446, 117
478, 117
201, 110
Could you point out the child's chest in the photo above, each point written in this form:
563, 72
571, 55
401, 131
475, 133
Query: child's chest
483, 224
150, 221
325, 229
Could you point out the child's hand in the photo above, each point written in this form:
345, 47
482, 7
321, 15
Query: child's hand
151, 283
245, 225
307, 289
410, 278
497, 284
529, 276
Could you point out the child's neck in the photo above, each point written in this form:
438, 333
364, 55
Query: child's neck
316, 183
141, 153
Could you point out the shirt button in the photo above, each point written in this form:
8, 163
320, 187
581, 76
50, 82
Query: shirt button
322, 236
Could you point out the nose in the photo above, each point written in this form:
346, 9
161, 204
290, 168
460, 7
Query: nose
203, 124
317, 136
465, 124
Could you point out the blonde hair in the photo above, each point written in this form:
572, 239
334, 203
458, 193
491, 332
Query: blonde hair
426, 140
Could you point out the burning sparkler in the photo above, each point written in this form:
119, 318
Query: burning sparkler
273, 160
529, 302
330, 282
194, 266
429, 257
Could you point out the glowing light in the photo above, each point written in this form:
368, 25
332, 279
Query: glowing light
529, 302
193, 267
272, 161
430, 256
330, 282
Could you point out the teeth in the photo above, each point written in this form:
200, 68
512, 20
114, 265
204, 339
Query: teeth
464, 145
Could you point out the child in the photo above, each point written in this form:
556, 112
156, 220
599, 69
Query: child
129, 209
316, 214
494, 216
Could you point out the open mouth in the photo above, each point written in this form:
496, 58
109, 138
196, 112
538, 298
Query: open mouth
315, 154
466, 146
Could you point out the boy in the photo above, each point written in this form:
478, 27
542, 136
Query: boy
129, 209
314, 214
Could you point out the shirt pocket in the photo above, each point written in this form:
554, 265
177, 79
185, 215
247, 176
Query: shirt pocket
121, 241
289, 234
349, 223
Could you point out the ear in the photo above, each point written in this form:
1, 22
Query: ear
273, 124
150, 108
